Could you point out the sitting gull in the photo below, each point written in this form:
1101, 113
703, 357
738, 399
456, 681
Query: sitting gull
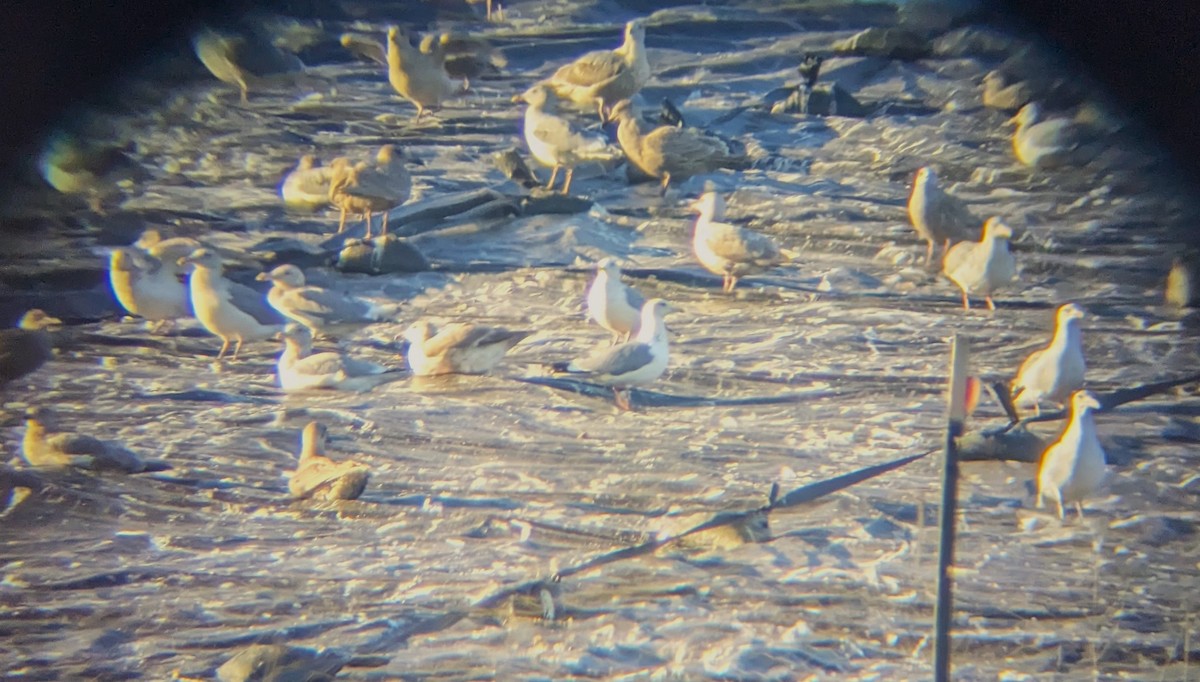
936, 216
984, 266
299, 369
999, 92
306, 187
602, 78
43, 447
147, 287
95, 170
28, 346
321, 310
612, 304
457, 348
670, 153
554, 142
1072, 469
1056, 371
634, 363
227, 309
729, 250
418, 77
1047, 143
320, 478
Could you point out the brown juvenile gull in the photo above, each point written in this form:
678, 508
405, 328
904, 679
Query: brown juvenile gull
1073, 468
320, 310
44, 447
729, 250
364, 190
457, 348
1048, 143
984, 266
670, 153
418, 77
306, 187
26, 347
319, 478
554, 142
298, 369
242, 60
1055, 372
147, 287
936, 216
90, 169
462, 55
231, 311
602, 78
613, 304
634, 363
365, 48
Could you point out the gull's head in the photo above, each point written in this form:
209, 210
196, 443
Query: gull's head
312, 439
202, 258
536, 96
636, 30
150, 237
419, 332
925, 175
1028, 115
995, 79
621, 111
1068, 313
307, 162
37, 415
656, 309
286, 276
1082, 401
386, 154
995, 228
710, 205
123, 260
298, 334
393, 34
609, 267
37, 319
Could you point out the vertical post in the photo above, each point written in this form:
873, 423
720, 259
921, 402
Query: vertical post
956, 417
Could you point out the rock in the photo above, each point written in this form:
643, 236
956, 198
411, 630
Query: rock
512, 164
383, 255
974, 41
280, 663
279, 250
551, 202
894, 43
827, 99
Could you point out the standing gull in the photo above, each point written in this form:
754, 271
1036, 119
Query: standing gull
363, 190
1047, 143
299, 369
604, 77
555, 143
168, 250
44, 447
321, 310
457, 348
147, 287
319, 478
668, 152
242, 60
729, 250
984, 266
936, 216
418, 77
28, 346
231, 311
1055, 372
634, 363
1072, 469
613, 304
306, 187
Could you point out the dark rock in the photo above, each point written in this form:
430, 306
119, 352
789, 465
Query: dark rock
824, 100
975, 41
280, 663
387, 254
279, 250
553, 203
894, 43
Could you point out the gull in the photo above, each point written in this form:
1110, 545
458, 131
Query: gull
463, 55
668, 152
95, 170
146, 287
364, 47
1047, 143
554, 142
669, 114
612, 304
306, 187
320, 310
984, 266
634, 363
729, 250
418, 77
1072, 469
231, 311
168, 251
364, 190
320, 478
604, 77
1001, 93
1182, 288
44, 447
810, 69
937, 216
1055, 372
299, 369
28, 346
457, 348
242, 60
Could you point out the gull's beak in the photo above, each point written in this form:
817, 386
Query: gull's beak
262, 277
1012, 121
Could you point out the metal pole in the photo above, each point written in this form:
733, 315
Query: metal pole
956, 416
